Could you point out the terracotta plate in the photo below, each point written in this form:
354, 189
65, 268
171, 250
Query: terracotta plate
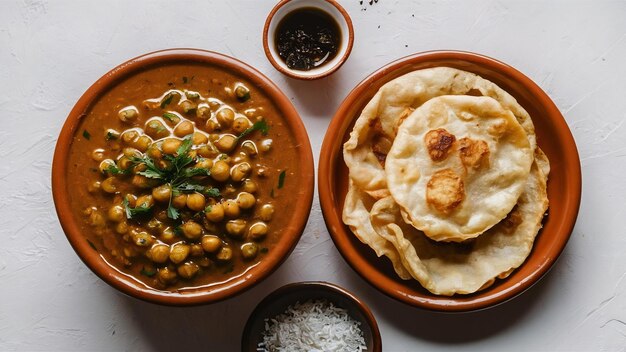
214, 292
554, 137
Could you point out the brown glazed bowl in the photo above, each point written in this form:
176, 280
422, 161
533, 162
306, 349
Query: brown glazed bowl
332, 8
218, 291
278, 301
553, 136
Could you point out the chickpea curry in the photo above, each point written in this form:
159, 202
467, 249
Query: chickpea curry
180, 175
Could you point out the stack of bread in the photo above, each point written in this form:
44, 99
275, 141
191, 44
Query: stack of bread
446, 180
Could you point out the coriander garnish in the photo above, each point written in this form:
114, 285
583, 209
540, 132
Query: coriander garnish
86, 134
258, 126
281, 179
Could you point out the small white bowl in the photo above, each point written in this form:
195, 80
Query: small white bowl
332, 8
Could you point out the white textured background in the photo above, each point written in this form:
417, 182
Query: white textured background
51, 51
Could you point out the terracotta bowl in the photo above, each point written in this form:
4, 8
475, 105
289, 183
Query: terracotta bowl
218, 291
278, 301
564, 185
330, 7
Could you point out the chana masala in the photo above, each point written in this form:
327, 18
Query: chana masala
180, 175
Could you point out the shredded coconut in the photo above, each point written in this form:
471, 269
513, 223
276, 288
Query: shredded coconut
314, 326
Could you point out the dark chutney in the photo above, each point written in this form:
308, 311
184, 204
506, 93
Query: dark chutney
307, 38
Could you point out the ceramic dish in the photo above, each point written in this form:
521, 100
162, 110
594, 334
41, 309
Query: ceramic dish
278, 301
564, 185
287, 124
330, 7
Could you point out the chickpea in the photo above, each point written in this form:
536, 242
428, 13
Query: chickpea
121, 227
192, 95
171, 118
162, 193
262, 171
129, 136
204, 164
242, 92
111, 134
203, 111
124, 163
210, 243
215, 212
212, 126
131, 153
128, 114
179, 252
131, 199
142, 181
168, 235
220, 171
188, 106
266, 145
183, 129
196, 202
241, 158
225, 116
154, 225
231, 208
143, 143
109, 185
207, 151
142, 239
161, 215
226, 143
116, 213
225, 254
154, 152
245, 200
236, 227
130, 252
250, 186
249, 147
156, 129
171, 145
96, 219
145, 201
192, 230
204, 262
94, 186
241, 124
139, 167
257, 231
166, 276
249, 250
105, 165
159, 253
188, 270
179, 201
199, 138
164, 164
240, 171
196, 250
97, 154
267, 212
214, 104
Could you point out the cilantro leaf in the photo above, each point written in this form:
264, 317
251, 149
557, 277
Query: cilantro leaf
86, 134
281, 179
139, 211
258, 126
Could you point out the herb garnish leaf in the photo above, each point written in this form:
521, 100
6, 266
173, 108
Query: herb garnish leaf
281, 179
258, 126
171, 117
139, 211
86, 134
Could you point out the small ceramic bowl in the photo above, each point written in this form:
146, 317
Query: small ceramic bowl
553, 136
330, 7
204, 294
278, 301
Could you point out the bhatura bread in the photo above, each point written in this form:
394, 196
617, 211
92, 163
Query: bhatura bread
356, 211
458, 165
374, 131
463, 268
